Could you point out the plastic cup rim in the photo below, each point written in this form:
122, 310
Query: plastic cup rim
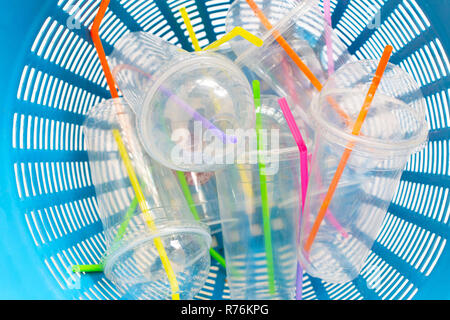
193, 229
343, 138
142, 115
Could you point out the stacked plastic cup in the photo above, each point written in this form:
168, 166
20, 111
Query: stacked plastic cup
395, 128
294, 57
155, 248
259, 208
184, 102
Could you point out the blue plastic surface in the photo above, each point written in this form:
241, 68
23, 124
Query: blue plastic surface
45, 184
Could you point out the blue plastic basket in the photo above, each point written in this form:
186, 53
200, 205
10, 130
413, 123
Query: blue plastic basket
50, 76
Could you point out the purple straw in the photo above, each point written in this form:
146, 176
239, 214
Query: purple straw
197, 116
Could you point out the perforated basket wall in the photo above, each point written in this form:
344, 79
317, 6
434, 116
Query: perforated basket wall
50, 76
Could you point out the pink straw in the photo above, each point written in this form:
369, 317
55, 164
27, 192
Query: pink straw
327, 11
301, 147
304, 184
303, 175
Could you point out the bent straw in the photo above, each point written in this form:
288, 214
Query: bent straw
297, 60
237, 31
304, 162
328, 40
253, 39
301, 147
304, 183
263, 187
346, 155
303, 177
123, 152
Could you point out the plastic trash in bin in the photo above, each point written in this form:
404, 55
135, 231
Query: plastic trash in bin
52, 77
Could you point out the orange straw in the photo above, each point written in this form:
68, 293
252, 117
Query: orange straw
99, 47
294, 56
356, 131
285, 45
124, 154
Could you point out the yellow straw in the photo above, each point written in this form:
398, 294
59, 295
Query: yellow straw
94, 31
190, 29
237, 31
147, 217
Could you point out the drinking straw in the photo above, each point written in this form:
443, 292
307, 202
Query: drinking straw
197, 116
252, 39
303, 178
88, 268
347, 152
328, 40
237, 31
147, 217
304, 183
297, 60
304, 162
123, 152
301, 147
285, 45
190, 29
264, 192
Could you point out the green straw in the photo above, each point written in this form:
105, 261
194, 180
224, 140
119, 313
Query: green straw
124, 225
187, 194
90, 268
120, 233
263, 183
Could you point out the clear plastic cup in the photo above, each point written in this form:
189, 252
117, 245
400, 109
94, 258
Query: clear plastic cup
184, 102
301, 26
260, 252
134, 256
394, 128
